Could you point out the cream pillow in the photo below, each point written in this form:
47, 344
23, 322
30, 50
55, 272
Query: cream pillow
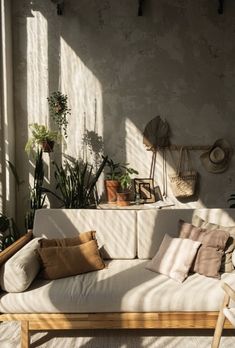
174, 257
19, 271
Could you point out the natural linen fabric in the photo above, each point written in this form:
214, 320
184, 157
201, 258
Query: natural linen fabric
209, 256
226, 263
59, 262
14, 247
81, 238
122, 286
115, 229
174, 257
20, 270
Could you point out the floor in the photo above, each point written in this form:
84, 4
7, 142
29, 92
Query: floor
10, 338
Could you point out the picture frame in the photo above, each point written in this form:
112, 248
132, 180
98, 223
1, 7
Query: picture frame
158, 194
145, 188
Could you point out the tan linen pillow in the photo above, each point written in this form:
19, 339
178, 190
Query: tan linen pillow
226, 263
174, 257
209, 256
60, 262
208, 261
81, 238
14, 247
20, 270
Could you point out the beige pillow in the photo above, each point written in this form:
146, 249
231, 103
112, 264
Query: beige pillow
60, 262
20, 270
226, 263
14, 247
174, 257
209, 256
79, 239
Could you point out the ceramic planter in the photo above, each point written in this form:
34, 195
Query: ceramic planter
48, 145
111, 187
123, 199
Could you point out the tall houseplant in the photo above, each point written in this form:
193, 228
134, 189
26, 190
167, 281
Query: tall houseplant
41, 137
75, 183
8, 231
37, 194
59, 110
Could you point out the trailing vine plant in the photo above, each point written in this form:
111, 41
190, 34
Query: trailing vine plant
59, 110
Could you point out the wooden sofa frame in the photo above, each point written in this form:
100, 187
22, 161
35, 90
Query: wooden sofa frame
66, 321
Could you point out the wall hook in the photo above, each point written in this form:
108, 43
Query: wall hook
59, 6
221, 7
140, 7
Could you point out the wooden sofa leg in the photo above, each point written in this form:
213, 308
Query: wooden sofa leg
220, 324
25, 339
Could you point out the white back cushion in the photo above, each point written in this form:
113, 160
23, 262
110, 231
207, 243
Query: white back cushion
115, 229
153, 224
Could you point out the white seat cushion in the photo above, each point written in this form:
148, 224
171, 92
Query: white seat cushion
124, 286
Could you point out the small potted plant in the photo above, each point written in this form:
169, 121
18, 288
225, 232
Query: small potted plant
41, 136
112, 181
123, 197
59, 111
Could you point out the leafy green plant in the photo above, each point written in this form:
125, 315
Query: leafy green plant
75, 183
37, 194
114, 169
59, 111
15, 174
40, 133
8, 230
125, 178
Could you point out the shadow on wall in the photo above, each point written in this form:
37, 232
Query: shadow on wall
134, 68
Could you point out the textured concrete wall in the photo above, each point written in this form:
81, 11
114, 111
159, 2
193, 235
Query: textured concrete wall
7, 127
119, 71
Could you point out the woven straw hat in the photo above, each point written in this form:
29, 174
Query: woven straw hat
217, 159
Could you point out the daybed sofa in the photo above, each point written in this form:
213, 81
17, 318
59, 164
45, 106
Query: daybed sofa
124, 294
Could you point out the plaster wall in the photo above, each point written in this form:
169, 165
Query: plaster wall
7, 133
120, 71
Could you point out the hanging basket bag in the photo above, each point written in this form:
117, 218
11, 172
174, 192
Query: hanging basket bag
183, 182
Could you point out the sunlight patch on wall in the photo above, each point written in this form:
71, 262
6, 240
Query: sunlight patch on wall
85, 129
37, 74
136, 154
37, 68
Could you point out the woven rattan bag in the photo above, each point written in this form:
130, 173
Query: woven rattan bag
183, 182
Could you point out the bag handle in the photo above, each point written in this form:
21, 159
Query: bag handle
188, 160
179, 165
185, 161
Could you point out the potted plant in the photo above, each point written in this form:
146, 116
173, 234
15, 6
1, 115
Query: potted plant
37, 195
8, 231
76, 183
112, 180
58, 108
41, 136
123, 197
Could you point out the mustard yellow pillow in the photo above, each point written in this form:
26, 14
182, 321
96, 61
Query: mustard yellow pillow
81, 238
65, 261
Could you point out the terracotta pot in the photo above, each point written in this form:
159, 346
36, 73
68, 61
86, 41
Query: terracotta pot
111, 187
47, 145
123, 199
